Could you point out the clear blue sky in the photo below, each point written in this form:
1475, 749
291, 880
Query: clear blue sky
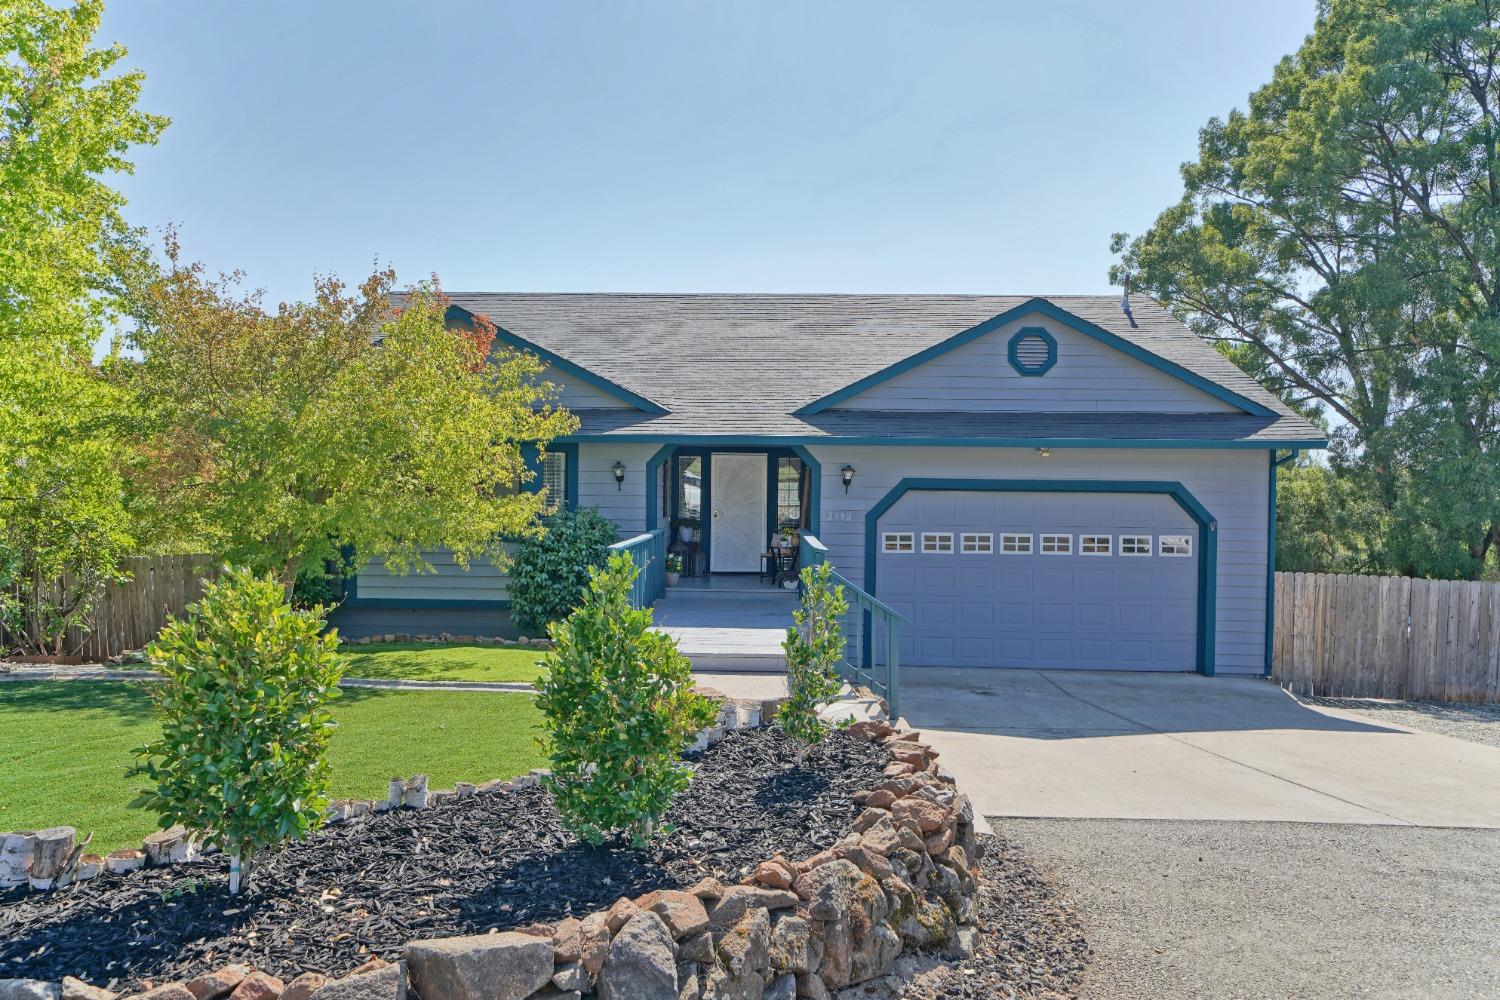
682, 146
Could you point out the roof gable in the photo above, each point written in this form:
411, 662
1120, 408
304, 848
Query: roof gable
1032, 394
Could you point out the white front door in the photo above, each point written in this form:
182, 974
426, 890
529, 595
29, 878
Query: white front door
738, 493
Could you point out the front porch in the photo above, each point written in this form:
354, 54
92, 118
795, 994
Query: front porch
730, 623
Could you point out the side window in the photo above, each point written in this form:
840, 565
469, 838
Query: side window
897, 541
973, 543
938, 542
555, 479
1057, 545
1175, 545
1015, 545
1094, 545
1135, 545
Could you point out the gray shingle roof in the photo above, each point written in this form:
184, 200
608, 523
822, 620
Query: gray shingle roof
741, 364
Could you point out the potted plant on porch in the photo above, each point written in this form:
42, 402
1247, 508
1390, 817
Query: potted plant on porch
674, 568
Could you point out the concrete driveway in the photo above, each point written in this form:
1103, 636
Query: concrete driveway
1185, 747
1221, 841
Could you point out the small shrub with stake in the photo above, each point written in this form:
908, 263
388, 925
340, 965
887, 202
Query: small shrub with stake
620, 709
814, 648
241, 759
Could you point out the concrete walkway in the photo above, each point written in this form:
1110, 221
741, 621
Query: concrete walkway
1186, 747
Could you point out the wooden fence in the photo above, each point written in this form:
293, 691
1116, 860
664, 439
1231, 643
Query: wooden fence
1387, 637
130, 614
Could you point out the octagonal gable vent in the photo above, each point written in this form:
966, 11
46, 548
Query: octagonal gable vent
1033, 351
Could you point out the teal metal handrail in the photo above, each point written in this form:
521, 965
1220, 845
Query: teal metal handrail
649, 553
872, 647
810, 552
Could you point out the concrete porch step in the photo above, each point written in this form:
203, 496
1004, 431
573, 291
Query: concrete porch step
730, 631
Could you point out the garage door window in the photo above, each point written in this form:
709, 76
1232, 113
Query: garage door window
937, 541
1015, 545
1094, 545
976, 544
1057, 545
897, 541
1135, 545
1175, 545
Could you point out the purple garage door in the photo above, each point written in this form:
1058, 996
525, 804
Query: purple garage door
1091, 581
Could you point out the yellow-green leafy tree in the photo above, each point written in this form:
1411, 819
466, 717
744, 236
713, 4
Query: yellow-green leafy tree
362, 420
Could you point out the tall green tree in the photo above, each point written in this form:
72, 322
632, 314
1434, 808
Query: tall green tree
358, 420
1341, 241
68, 119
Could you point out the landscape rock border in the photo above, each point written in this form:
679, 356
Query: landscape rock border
905, 878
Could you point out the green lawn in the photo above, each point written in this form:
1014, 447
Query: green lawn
415, 661
64, 747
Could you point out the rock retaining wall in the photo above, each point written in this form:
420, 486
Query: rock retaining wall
904, 878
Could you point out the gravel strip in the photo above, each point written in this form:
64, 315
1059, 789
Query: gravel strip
1314, 911
465, 866
1029, 945
1475, 723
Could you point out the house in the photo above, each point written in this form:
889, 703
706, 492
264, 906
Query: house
1034, 482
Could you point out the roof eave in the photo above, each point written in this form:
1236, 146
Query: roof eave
572, 368
787, 440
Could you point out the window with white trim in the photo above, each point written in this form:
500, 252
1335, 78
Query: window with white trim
1135, 545
1015, 545
937, 542
1174, 545
555, 479
1057, 545
897, 541
1095, 545
975, 543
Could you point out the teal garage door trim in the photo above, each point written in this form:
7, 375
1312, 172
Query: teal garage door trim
1180, 494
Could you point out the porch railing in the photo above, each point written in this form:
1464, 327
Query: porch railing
649, 553
872, 648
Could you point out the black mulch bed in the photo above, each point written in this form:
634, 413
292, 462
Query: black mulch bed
465, 866
1029, 944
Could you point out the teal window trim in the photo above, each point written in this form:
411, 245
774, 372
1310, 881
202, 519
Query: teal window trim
814, 468
783, 441
1012, 351
1058, 315
653, 481
1275, 464
1208, 547
570, 480
532, 457
562, 364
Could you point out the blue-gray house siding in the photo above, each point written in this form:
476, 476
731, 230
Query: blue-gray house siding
1123, 421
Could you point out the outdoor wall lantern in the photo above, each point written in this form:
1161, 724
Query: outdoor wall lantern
848, 474
619, 470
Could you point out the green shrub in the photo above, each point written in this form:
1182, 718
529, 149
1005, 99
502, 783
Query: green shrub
550, 572
814, 649
620, 709
241, 758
